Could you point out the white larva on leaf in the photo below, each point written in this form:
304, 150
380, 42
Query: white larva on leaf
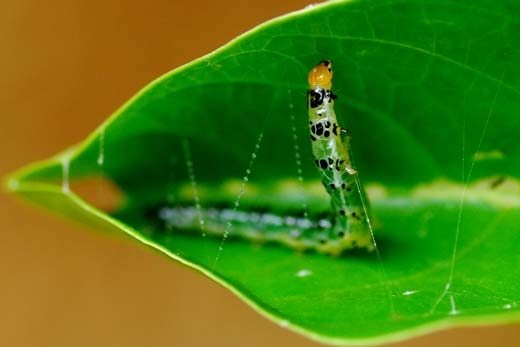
331, 150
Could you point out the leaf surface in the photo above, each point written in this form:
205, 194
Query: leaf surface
429, 92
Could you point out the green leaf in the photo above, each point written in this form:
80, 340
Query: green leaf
430, 93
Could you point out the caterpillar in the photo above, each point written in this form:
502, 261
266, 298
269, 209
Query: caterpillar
332, 157
349, 226
292, 230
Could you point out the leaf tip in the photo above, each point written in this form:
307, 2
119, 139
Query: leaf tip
10, 184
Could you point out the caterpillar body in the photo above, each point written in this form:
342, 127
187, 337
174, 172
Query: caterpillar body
292, 230
349, 226
332, 157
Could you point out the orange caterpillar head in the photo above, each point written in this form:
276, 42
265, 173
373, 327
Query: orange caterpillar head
321, 75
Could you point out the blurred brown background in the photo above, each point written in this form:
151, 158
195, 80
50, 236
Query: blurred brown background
65, 66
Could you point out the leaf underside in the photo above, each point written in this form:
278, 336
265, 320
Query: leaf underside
430, 94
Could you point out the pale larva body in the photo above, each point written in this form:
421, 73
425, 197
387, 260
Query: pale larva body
331, 150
